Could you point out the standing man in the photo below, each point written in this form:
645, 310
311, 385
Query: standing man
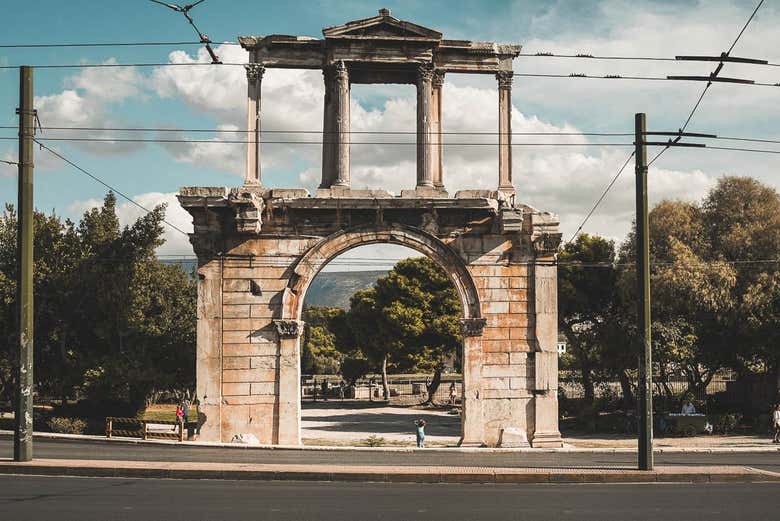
776, 423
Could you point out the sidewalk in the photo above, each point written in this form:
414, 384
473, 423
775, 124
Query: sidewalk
387, 474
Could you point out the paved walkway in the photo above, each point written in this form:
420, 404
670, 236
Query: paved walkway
390, 474
349, 423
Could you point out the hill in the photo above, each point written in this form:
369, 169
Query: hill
335, 288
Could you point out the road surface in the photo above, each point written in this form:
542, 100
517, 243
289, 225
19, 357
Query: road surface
86, 499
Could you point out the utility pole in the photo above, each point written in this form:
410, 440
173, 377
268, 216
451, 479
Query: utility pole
643, 298
23, 428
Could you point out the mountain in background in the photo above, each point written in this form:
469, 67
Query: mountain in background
334, 288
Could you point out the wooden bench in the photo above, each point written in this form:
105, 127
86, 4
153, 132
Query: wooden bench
138, 428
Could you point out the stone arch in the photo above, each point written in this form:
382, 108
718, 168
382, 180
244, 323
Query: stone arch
310, 264
318, 256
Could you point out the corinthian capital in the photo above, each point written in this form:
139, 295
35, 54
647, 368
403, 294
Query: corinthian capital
254, 71
340, 70
472, 326
505, 79
438, 78
424, 72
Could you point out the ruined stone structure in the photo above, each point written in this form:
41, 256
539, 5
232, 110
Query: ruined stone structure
259, 248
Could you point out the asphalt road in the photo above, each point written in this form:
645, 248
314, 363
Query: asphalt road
106, 499
77, 449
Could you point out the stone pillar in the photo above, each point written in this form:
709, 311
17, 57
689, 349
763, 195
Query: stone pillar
472, 424
505, 133
329, 129
208, 386
546, 433
342, 134
289, 393
254, 76
438, 146
424, 102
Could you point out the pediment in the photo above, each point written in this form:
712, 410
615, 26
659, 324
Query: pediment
382, 26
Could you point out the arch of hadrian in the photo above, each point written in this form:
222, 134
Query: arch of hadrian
259, 248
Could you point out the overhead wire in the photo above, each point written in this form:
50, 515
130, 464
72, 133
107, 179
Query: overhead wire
682, 129
97, 179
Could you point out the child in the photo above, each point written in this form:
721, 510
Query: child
420, 433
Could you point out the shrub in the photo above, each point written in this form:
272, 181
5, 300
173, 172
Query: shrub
375, 441
725, 423
67, 425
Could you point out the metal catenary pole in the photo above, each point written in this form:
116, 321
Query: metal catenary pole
23, 432
643, 299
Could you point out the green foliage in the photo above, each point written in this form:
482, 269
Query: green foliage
111, 322
67, 425
408, 320
320, 345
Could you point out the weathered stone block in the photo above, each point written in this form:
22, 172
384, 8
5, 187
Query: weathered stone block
489, 371
236, 362
235, 389
495, 333
518, 307
263, 388
495, 307
495, 358
263, 362
264, 311
244, 349
513, 437
235, 285
495, 383
236, 311
248, 375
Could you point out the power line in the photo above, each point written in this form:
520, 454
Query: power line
390, 132
95, 178
98, 44
603, 195
287, 142
645, 78
685, 125
378, 132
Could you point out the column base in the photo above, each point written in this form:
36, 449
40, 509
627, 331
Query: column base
424, 192
547, 440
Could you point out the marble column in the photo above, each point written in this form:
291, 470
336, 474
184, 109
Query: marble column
438, 145
289, 426
342, 135
505, 132
328, 128
424, 102
472, 424
254, 76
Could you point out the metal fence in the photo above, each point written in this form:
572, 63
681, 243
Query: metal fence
403, 388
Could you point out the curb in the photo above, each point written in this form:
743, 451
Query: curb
380, 475
329, 448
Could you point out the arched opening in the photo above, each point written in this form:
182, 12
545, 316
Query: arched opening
465, 392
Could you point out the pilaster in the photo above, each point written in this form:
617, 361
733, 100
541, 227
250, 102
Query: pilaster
437, 83
289, 419
472, 425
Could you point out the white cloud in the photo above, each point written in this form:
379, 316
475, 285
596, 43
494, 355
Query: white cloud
176, 242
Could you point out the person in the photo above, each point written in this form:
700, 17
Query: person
453, 393
688, 408
179, 416
776, 423
420, 433
185, 409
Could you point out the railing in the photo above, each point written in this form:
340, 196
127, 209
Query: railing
400, 386
136, 428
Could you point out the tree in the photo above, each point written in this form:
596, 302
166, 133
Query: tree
111, 320
586, 305
409, 318
320, 352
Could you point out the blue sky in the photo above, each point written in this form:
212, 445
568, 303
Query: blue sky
563, 180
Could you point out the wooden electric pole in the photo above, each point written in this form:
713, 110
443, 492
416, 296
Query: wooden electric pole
643, 298
23, 428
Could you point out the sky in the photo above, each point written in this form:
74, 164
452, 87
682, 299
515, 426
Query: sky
566, 180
